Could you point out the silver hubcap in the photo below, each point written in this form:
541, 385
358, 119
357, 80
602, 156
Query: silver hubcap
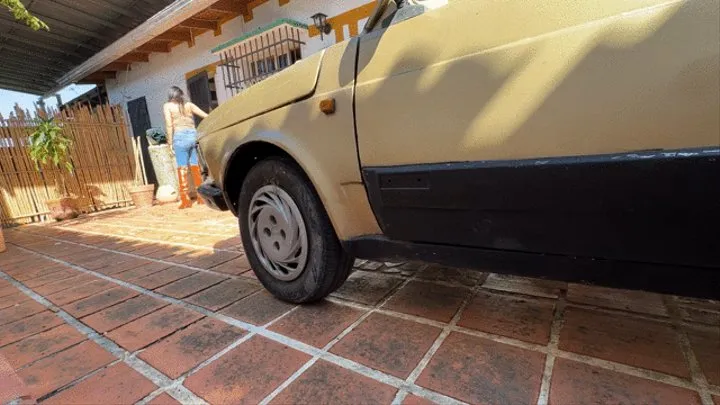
278, 233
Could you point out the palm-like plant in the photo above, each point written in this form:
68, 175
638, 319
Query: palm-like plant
48, 144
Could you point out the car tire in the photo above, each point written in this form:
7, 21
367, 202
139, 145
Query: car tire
284, 204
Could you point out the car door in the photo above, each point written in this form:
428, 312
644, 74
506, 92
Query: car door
536, 126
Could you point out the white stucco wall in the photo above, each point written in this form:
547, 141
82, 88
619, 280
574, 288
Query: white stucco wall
152, 80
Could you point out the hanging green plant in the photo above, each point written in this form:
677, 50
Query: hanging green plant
21, 14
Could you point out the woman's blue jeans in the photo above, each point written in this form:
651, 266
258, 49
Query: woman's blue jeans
184, 145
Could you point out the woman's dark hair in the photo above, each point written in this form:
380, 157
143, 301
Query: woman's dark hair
176, 95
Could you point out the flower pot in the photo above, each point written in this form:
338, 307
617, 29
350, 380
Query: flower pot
142, 196
63, 208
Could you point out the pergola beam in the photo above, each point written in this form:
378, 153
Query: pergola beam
154, 47
101, 76
133, 57
201, 24
185, 36
226, 6
116, 67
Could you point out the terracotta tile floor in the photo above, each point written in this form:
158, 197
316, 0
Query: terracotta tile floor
160, 306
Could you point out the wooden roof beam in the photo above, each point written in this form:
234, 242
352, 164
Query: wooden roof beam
183, 36
100, 76
116, 67
227, 7
201, 24
133, 57
154, 47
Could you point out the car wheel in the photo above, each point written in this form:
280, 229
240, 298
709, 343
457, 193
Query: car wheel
287, 235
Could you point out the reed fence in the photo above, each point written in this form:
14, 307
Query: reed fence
101, 153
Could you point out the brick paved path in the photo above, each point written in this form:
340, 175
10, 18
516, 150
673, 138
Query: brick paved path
159, 306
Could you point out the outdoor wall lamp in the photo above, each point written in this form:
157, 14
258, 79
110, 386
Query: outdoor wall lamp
320, 21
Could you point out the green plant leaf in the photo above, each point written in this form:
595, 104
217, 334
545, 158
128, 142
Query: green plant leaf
48, 143
20, 13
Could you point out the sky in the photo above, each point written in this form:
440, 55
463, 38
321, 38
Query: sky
9, 98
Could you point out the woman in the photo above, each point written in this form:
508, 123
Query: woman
182, 136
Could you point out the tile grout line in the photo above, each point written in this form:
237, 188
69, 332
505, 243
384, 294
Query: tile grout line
368, 311
172, 264
155, 376
594, 361
238, 277
696, 373
279, 338
609, 365
425, 361
181, 379
552, 348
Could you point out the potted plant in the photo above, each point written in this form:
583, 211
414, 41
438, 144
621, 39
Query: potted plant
48, 145
141, 193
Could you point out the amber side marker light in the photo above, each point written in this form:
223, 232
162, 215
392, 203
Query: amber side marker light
327, 106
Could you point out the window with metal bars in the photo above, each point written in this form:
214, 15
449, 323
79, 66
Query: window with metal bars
260, 56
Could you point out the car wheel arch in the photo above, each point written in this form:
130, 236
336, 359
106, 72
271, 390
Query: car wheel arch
242, 160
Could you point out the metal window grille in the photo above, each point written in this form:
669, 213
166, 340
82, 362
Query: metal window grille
260, 56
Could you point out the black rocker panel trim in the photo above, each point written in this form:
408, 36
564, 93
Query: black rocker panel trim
701, 282
657, 207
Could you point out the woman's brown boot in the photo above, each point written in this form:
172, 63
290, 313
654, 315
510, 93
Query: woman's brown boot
197, 180
183, 188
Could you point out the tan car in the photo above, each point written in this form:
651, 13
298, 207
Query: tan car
568, 139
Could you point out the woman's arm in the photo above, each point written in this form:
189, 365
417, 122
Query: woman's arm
197, 111
168, 124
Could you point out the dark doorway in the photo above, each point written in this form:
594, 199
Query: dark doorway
201, 93
140, 122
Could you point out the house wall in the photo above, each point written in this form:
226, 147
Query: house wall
153, 79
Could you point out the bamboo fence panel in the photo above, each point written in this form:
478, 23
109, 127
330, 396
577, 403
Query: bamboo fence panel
101, 154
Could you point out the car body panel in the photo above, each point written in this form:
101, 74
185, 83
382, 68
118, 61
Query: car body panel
323, 145
477, 80
508, 132
551, 127
275, 91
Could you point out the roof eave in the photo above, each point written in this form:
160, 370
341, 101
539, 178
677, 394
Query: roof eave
167, 18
